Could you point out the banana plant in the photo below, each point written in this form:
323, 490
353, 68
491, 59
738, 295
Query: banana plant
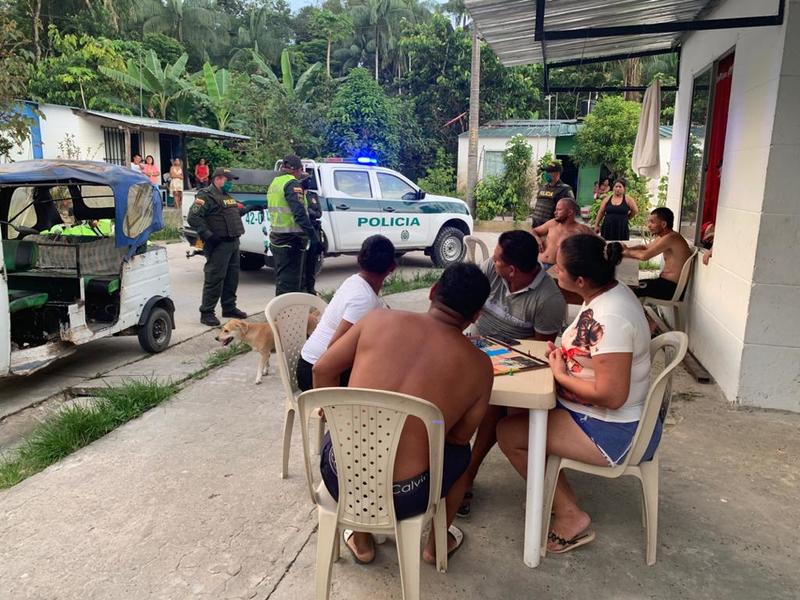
162, 84
300, 91
219, 93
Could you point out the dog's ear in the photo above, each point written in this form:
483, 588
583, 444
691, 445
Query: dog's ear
243, 326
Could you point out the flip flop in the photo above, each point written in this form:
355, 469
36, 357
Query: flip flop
466, 505
458, 536
583, 538
346, 535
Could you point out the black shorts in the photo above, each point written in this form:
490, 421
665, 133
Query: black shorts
305, 379
410, 495
660, 288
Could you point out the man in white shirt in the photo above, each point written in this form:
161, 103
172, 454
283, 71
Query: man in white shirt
357, 296
136, 163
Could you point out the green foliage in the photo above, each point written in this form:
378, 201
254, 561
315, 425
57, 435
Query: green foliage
166, 48
286, 85
511, 193
361, 119
609, 134
14, 65
663, 184
70, 74
219, 93
441, 177
214, 152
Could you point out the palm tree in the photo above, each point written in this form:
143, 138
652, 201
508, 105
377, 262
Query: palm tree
380, 21
336, 27
164, 84
264, 32
300, 91
193, 23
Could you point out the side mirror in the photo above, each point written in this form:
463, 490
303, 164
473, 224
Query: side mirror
410, 196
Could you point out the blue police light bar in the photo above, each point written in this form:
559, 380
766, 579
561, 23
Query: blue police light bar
366, 160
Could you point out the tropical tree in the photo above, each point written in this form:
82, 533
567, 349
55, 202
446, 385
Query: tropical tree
301, 90
15, 66
194, 23
266, 29
164, 84
379, 22
335, 27
219, 93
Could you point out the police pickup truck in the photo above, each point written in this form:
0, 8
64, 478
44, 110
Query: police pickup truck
358, 199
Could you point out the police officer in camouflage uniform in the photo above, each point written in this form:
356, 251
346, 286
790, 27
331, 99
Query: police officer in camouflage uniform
549, 195
291, 233
216, 218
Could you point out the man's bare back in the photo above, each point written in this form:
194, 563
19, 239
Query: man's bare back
556, 233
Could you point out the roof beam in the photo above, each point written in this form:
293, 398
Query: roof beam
673, 27
588, 88
576, 62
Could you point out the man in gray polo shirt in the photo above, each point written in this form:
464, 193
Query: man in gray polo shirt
524, 302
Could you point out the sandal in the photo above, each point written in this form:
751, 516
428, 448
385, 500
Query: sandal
466, 505
583, 538
346, 535
458, 536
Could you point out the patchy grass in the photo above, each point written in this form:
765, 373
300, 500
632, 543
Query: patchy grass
78, 425
220, 357
170, 233
398, 283
649, 265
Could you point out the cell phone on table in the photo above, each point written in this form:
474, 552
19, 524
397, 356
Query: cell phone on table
507, 341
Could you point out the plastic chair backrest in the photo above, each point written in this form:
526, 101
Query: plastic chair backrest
472, 243
365, 427
674, 344
683, 280
287, 314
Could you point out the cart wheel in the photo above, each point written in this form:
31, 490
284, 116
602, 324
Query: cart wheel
156, 332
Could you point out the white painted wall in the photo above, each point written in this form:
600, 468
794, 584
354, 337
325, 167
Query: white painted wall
540, 146
58, 122
722, 297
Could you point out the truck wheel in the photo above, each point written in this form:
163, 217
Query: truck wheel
448, 248
250, 262
156, 332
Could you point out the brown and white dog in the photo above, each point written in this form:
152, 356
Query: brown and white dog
259, 337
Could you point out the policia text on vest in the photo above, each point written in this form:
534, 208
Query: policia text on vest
291, 232
216, 218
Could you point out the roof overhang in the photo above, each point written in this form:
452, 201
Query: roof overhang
560, 33
148, 124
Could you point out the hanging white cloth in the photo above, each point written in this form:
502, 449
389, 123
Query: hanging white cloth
646, 160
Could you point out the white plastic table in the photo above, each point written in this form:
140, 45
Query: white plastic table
535, 391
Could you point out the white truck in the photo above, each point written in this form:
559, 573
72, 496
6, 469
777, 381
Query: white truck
357, 200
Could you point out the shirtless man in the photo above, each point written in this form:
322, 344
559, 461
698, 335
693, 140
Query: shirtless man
668, 242
557, 229
424, 355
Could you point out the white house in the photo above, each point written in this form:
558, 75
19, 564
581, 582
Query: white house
738, 91
65, 132
555, 136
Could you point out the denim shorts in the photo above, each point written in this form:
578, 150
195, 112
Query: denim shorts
410, 495
614, 439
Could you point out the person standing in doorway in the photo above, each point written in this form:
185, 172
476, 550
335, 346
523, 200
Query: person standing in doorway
216, 218
291, 233
201, 174
151, 170
615, 212
176, 182
549, 195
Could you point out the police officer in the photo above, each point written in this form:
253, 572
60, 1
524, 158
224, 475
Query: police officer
291, 233
549, 195
315, 216
216, 218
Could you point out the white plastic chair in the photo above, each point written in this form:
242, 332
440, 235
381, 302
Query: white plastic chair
473, 241
677, 302
365, 427
674, 344
287, 314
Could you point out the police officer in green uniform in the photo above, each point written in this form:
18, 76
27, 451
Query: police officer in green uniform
216, 218
291, 233
549, 195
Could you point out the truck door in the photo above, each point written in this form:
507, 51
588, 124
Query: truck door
5, 319
404, 221
353, 208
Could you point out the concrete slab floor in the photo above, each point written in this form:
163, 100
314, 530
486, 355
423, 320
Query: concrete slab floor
186, 502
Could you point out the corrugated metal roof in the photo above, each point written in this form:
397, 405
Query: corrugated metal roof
539, 128
161, 125
508, 26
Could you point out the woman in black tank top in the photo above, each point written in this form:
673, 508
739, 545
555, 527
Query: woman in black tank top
615, 212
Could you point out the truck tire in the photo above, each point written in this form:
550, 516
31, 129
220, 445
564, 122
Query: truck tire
156, 332
448, 248
248, 261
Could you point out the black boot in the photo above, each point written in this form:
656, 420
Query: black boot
209, 319
234, 313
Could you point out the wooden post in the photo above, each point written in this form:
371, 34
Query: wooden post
474, 107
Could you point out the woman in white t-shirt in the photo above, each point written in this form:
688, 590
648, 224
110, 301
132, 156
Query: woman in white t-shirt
355, 298
602, 375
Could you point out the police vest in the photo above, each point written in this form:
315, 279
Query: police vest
281, 218
224, 220
101, 228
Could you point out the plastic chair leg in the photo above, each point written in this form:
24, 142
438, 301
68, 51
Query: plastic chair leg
327, 548
550, 480
440, 537
649, 471
680, 319
288, 424
320, 435
409, 533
